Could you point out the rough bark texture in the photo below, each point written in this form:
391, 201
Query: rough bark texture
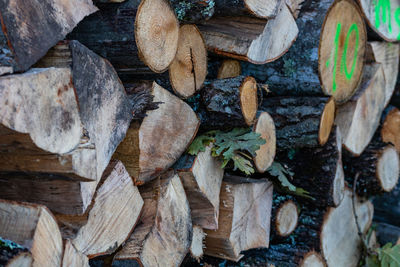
228, 103
262, 9
30, 28
201, 177
251, 39
13, 254
296, 73
378, 168
299, 120
193, 11
387, 207
164, 233
318, 170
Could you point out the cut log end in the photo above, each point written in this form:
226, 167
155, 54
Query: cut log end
388, 168
391, 128
156, 34
262, 8
188, 70
286, 218
229, 68
327, 119
338, 182
341, 50
248, 99
197, 246
313, 259
266, 154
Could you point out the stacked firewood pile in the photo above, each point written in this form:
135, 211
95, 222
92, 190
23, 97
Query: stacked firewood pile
188, 132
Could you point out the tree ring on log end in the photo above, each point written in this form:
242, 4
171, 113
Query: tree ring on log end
248, 99
286, 218
229, 68
327, 119
388, 168
188, 70
391, 129
313, 259
341, 50
266, 154
156, 34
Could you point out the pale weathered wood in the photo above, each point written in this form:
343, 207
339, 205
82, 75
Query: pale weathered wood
111, 218
359, 118
244, 220
155, 144
163, 235
30, 28
341, 50
35, 228
197, 246
251, 39
390, 132
266, 154
201, 177
188, 70
382, 17
72, 257
229, 68
294, 6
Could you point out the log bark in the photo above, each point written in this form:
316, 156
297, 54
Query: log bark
318, 170
193, 11
147, 150
390, 131
378, 168
266, 153
296, 72
73, 257
131, 32
387, 207
14, 255
164, 233
229, 68
201, 177
251, 39
34, 227
115, 210
382, 17
359, 118
300, 121
244, 220
340, 63
30, 28
188, 70
228, 103
387, 233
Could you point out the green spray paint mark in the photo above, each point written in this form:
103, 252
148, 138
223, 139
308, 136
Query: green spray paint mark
383, 7
397, 18
338, 29
348, 74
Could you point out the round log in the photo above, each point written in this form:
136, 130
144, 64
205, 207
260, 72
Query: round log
229, 68
266, 154
342, 50
285, 216
390, 131
188, 70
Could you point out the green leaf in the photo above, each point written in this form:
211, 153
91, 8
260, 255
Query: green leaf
199, 144
242, 164
372, 261
388, 255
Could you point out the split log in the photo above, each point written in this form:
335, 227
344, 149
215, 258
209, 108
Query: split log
251, 39
387, 207
73, 257
229, 68
197, 246
244, 219
111, 218
30, 28
229, 103
359, 118
266, 153
154, 145
164, 233
341, 50
318, 170
383, 17
201, 177
378, 168
296, 72
131, 32
388, 55
301, 121
14, 255
285, 215
188, 70
34, 227
294, 6
390, 131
